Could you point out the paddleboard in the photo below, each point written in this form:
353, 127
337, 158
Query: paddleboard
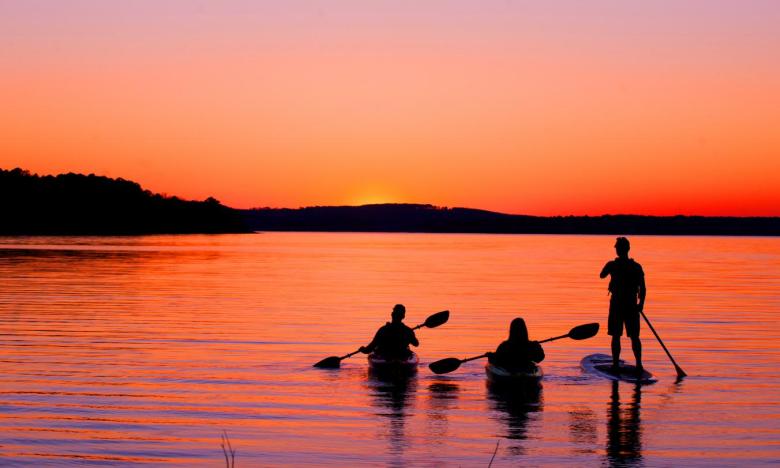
601, 365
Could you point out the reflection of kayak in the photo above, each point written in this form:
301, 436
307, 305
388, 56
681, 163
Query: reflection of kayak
381, 364
601, 365
499, 375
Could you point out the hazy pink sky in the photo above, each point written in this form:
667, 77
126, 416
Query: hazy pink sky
525, 107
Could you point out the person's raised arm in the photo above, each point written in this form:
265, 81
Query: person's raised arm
413, 339
606, 270
371, 346
536, 353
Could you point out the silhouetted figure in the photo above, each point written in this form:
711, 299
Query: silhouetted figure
517, 354
393, 339
626, 285
624, 431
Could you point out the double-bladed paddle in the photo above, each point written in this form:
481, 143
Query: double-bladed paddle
447, 365
439, 318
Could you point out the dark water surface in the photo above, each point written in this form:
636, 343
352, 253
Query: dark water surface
144, 349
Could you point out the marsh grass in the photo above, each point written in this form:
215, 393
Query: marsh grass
228, 451
494, 453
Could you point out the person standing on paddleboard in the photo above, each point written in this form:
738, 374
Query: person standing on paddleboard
392, 340
627, 290
518, 353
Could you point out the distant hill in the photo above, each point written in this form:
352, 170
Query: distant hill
429, 218
93, 205
89, 204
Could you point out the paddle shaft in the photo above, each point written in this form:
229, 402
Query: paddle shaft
554, 338
680, 372
543, 341
415, 328
447, 365
473, 358
486, 354
348, 355
433, 321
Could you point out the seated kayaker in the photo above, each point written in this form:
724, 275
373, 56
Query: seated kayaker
517, 354
393, 339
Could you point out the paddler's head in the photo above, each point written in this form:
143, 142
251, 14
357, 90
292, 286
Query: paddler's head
518, 332
399, 312
622, 246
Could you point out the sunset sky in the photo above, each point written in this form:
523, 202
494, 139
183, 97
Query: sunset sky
567, 107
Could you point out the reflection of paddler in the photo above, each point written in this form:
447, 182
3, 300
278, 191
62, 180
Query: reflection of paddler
515, 408
442, 397
624, 431
391, 399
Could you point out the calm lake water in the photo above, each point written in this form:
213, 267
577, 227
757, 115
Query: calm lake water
144, 350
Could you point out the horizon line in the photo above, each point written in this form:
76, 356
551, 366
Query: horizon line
433, 205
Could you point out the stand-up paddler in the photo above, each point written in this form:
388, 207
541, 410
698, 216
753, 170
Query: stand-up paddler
627, 290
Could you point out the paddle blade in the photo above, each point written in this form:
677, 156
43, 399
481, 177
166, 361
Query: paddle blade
584, 332
444, 366
439, 318
333, 362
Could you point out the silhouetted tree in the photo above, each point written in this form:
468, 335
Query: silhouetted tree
89, 204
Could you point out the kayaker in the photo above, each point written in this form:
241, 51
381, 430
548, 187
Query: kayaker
392, 340
627, 290
517, 354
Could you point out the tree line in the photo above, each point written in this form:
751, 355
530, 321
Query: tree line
72, 204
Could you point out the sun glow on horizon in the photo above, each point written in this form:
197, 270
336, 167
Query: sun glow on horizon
374, 195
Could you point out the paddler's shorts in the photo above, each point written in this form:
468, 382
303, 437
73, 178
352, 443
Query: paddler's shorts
623, 312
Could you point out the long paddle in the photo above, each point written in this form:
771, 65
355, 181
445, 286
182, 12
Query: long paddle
680, 373
439, 318
581, 332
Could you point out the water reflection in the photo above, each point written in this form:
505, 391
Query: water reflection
624, 431
667, 398
149, 347
391, 396
443, 397
583, 429
515, 405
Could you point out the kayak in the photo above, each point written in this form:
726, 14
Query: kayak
601, 365
499, 375
380, 364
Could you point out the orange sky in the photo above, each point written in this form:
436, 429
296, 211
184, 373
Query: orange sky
672, 108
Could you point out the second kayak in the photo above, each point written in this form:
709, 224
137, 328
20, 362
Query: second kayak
499, 375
